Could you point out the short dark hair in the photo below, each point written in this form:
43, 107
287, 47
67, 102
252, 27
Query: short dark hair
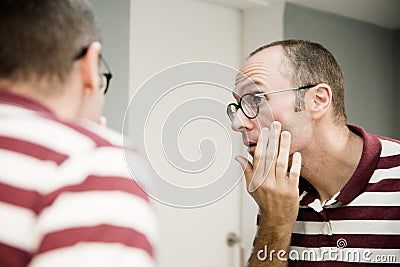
311, 63
38, 38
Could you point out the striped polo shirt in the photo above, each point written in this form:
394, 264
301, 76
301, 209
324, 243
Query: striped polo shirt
360, 225
66, 195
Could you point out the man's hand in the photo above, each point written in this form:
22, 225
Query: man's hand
275, 192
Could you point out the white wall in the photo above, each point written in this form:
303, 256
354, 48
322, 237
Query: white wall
262, 26
165, 33
169, 32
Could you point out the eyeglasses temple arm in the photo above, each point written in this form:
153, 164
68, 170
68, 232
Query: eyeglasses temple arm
285, 90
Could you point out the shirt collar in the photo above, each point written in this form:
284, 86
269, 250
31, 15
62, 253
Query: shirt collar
366, 167
10, 98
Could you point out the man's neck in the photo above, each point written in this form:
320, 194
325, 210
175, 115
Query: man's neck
331, 160
62, 105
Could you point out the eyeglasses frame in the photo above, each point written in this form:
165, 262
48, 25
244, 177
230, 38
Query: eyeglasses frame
239, 105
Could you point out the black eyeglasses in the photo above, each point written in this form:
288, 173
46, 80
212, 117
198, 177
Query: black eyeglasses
105, 77
250, 103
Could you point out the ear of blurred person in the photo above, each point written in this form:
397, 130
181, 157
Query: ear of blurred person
92, 97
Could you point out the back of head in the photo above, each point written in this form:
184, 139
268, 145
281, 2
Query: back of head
39, 39
311, 63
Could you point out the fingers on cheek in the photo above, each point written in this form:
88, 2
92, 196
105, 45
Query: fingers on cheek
285, 140
274, 140
295, 168
276, 126
283, 157
258, 151
297, 160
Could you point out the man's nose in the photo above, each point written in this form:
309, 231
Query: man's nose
240, 122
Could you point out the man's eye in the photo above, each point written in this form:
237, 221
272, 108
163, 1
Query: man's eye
256, 100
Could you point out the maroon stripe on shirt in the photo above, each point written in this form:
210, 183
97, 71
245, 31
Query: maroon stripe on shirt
24, 102
98, 140
386, 185
100, 233
353, 241
98, 183
31, 149
19, 197
30, 199
11, 256
389, 162
352, 213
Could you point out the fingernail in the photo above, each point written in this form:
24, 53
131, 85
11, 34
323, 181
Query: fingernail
285, 134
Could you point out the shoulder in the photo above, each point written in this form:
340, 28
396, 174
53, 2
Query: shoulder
72, 181
56, 148
384, 146
390, 147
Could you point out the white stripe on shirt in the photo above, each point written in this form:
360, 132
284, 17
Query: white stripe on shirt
389, 199
381, 174
12, 218
389, 148
94, 254
378, 227
73, 141
98, 207
17, 169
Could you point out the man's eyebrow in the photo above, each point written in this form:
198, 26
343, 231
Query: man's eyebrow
248, 87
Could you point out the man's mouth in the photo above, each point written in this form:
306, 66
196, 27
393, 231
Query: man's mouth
251, 148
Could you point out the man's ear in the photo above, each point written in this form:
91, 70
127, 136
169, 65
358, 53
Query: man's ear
320, 100
89, 67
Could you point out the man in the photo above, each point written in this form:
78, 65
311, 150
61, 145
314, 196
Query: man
66, 196
345, 206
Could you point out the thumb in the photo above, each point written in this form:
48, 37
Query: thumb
247, 168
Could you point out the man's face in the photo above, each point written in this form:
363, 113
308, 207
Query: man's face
263, 73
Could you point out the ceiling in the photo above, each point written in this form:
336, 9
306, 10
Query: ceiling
384, 13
